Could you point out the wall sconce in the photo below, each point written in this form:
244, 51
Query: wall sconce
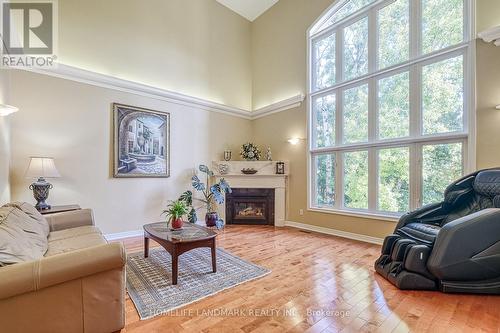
294, 141
5, 110
497, 107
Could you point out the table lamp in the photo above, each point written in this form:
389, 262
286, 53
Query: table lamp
41, 168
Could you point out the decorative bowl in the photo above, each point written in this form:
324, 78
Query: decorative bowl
249, 171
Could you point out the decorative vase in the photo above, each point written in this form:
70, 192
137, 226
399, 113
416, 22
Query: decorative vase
211, 219
177, 223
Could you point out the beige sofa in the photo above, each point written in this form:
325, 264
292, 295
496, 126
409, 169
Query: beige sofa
62, 277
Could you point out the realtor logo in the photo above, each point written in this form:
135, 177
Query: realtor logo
28, 34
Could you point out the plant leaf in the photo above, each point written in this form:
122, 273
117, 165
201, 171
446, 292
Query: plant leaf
204, 168
187, 197
197, 184
218, 194
192, 218
225, 186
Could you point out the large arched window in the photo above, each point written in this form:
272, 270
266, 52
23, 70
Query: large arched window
390, 104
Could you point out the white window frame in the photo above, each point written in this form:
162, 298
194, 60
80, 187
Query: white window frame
415, 140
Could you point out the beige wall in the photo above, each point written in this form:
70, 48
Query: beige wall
487, 14
4, 141
279, 49
279, 66
72, 122
488, 95
195, 47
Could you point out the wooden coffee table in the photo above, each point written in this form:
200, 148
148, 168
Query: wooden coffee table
177, 242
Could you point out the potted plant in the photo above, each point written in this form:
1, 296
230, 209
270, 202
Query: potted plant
174, 212
213, 194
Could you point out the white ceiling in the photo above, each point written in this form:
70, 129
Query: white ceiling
249, 9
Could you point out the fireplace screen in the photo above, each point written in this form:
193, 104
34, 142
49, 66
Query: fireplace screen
250, 206
246, 210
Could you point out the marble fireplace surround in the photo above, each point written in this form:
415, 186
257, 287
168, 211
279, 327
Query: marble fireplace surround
265, 177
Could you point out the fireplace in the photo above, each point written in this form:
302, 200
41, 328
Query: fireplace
250, 206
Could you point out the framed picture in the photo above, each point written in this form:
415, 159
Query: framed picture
141, 142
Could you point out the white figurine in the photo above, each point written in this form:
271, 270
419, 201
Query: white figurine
269, 154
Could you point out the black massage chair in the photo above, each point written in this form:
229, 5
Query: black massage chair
453, 246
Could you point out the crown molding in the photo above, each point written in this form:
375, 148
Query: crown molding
112, 82
491, 35
283, 105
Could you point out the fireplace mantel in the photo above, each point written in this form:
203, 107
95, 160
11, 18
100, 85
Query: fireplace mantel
264, 178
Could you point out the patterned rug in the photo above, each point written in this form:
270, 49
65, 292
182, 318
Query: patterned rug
149, 281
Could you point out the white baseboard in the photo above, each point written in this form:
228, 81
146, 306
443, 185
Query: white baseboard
125, 234
334, 232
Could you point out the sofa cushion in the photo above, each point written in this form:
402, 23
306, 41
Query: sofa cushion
21, 239
73, 232
34, 214
72, 239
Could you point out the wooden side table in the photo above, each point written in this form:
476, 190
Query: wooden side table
60, 209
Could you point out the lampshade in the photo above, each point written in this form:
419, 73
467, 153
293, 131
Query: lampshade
42, 167
5, 110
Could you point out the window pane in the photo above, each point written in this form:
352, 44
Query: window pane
356, 49
394, 34
443, 96
442, 164
442, 24
324, 118
325, 180
394, 106
324, 62
394, 179
356, 179
356, 114
350, 7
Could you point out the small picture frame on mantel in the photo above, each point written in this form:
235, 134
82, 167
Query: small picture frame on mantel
280, 168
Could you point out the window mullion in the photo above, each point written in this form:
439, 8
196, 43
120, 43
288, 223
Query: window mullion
372, 41
415, 101
339, 180
339, 55
372, 179
415, 28
418, 174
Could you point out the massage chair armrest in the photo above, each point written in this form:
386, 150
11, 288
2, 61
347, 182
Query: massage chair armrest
426, 212
468, 246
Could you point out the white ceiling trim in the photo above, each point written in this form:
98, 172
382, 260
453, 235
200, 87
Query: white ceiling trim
249, 9
286, 104
111, 82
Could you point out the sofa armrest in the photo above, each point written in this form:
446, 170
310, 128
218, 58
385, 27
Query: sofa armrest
35, 275
71, 219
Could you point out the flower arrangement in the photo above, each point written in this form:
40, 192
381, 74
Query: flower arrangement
250, 152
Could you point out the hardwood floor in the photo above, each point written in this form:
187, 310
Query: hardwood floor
318, 283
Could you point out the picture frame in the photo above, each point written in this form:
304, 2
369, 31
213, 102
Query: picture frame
141, 142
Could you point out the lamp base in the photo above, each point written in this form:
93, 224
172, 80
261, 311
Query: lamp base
41, 190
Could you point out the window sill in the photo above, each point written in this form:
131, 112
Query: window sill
361, 214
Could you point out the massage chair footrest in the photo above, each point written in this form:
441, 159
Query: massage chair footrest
405, 280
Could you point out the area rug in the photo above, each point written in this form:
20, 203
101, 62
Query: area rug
149, 280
